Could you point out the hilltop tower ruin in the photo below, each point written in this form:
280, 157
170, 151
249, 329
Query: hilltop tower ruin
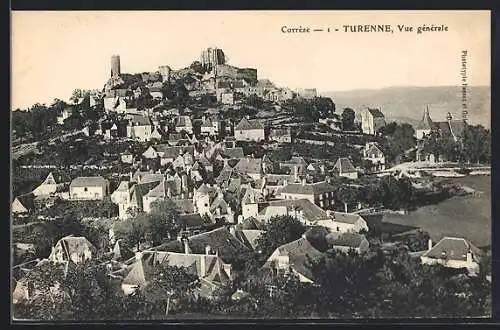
115, 65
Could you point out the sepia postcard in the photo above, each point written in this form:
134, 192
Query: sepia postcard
250, 165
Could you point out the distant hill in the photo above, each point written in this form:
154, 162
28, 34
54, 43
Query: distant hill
407, 104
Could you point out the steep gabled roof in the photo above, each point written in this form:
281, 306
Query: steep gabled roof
252, 196
248, 124
27, 201
344, 165
376, 113
251, 224
299, 253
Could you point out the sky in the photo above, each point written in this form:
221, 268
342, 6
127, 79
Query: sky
54, 53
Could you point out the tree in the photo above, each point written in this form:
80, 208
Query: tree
81, 291
476, 144
280, 230
164, 220
197, 67
169, 282
348, 116
133, 230
324, 106
254, 101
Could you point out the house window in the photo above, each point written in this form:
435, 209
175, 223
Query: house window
338, 228
85, 189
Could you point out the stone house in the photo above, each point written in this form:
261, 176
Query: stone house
249, 130
453, 252
89, 188
371, 121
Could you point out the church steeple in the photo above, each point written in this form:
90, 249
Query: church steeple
426, 119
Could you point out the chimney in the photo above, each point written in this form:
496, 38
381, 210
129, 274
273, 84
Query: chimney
187, 250
296, 173
469, 257
232, 230
138, 256
207, 249
169, 192
429, 244
322, 169
303, 181
203, 266
345, 207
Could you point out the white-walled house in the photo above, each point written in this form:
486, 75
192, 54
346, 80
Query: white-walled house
373, 152
343, 167
249, 130
344, 222
453, 252
89, 188
372, 120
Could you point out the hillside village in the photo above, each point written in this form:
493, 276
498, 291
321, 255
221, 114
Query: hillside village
211, 190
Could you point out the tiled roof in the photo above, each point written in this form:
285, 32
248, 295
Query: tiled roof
219, 202
279, 179
175, 151
204, 189
75, 245
443, 127
249, 237
213, 264
141, 189
453, 248
252, 196
247, 124
249, 165
251, 224
299, 253
27, 200
89, 181
221, 240
311, 211
191, 220
317, 188
353, 240
373, 148
344, 165
141, 271
376, 113
458, 127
